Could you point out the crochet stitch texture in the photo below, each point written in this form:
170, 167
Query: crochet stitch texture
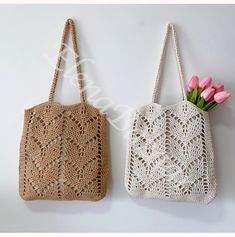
170, 152
64, 148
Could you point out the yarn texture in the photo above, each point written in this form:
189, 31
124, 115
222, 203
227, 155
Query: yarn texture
170, 154
64, 148
170, 151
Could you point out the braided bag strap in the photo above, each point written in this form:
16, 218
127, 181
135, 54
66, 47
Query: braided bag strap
169, 30
69, 25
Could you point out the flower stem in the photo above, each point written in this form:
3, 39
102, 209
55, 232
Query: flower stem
209, 106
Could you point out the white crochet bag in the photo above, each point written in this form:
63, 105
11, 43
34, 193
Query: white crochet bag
170, 152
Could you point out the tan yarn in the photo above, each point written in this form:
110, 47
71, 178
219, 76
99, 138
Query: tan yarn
64, 148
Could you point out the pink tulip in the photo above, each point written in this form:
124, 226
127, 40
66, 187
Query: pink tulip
193, 83
221, 96
206, 82
208, 93
218, 87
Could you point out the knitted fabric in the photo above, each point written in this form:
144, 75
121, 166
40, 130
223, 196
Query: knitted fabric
63, 150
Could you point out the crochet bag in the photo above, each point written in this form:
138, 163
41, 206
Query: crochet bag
170, 153
64, 148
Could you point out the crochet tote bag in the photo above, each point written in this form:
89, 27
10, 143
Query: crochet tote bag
170, 153
64, 148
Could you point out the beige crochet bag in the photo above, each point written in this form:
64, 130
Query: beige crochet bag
64, 148
170, 153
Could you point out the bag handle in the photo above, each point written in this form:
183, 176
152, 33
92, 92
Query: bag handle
169, 29
69, 25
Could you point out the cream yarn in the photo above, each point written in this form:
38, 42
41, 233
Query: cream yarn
170, 152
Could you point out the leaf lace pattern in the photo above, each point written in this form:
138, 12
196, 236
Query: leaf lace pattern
63, 153
170, 154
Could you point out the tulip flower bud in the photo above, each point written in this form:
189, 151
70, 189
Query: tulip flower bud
193, 83
205, 83
222, 96
218, 87
188, 89
208, 93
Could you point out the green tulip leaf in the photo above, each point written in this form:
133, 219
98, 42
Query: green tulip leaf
200, 102
209, 106
190, 95
193, 98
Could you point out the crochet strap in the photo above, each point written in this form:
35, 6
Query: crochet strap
69, 25
169, 29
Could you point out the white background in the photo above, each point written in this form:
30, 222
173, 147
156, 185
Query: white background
124, 42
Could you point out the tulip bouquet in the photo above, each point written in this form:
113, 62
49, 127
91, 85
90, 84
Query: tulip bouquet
205, 95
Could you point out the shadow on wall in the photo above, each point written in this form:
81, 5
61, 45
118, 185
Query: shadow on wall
222, 120
211, 213
222, 126
13, 211
70, 207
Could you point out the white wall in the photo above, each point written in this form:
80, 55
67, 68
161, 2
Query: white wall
124, 41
